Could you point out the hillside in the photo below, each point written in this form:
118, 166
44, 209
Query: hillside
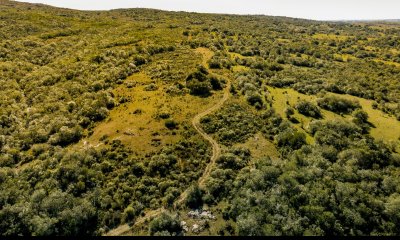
147, 122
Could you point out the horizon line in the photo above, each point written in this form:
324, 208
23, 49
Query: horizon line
392, 20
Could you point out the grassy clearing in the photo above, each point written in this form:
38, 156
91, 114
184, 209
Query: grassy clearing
135, 123
260, 147
331, 37
345, 57
240, 69
386, 128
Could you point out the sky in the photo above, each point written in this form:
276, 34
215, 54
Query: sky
309, 9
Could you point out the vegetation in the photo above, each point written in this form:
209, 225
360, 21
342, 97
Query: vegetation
97, 111
308, 109
338, 105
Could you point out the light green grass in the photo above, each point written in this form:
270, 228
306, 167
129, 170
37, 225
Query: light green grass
386, 128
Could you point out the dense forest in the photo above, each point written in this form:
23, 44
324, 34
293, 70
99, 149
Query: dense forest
147, 122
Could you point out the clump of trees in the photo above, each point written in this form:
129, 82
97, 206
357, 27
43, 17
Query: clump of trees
201, 82
308, 109
165, 225
338, 105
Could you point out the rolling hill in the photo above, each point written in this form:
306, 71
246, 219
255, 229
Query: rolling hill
148, 122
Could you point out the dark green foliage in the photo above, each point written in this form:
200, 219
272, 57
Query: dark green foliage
360, 116
361, 119
200, 83
194, 198
199, 88
308, 109
254, 99
291, 139
165, 224
338, 105
171, 124
289, 111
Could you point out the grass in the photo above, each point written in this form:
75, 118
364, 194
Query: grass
388, 62
135, 122
240, 69
323, 36
385, 128
260, 147
345, 57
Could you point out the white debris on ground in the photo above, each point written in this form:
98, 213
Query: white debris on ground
196, 228
184, 226
201, 214
201, 217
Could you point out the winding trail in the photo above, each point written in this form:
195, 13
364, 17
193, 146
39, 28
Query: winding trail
216, 149
216, 152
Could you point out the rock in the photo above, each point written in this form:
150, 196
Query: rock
184, 226
196, 228
201, 215
129, 133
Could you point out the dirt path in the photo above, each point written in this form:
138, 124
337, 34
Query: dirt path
215, 146
124, 229
216, 152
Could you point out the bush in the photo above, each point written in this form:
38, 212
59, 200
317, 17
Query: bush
198, 88
338, 105
215, 83
66, 136
214, 64
194, 199
360, 116
171, 124
254, 98
289, 111
308, 109
151, 87
291, 139
165, 223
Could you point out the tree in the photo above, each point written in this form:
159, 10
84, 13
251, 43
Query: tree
165, 223
308, 109
248, 225
291, 139
194, 198
254, 98
289, 111
360, 116
171, 124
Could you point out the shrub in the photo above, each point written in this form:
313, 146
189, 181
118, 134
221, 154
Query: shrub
171, 124
289, 111
360, 116
291, 139
281, 83
215, 83
194, 198
254, 98
151, 87
165, 224
214, 64
338, 105
308, 109
199, 88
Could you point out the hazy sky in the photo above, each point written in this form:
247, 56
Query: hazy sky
311, 9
